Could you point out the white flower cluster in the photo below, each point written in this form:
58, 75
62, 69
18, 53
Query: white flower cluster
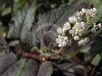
66, 27
96, 27
83, 42
63, 40
88, 12
75, 28
78, 29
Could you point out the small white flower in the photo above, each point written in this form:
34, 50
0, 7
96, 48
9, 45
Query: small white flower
60, 31
66, 26
80, 43
80, 25
78, 28
83, 25
78, 19
72, 32
95, 27
84, 10
89, 12
99, 25
94, 12
78, 13
62, 40
86, 40
83, 42
72, 19
93, 30
76, 37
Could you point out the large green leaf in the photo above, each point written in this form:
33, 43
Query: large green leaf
6, 11
6, 61
96, 60
23, 67
15, 69
46, 69
23, 21
30, 68
70, 68
10, 66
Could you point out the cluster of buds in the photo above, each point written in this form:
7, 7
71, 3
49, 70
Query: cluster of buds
96, 27
45, 52
75, 28
87, 12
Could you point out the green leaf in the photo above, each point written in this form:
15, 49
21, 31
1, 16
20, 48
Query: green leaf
45, 69
6, 61
15, 70
23, 22
10, 66
70, 68
6, 11
14, 43
96, 60
30, 68
18, 68
86, 49
72, 53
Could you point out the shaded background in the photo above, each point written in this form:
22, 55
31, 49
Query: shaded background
9, 9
